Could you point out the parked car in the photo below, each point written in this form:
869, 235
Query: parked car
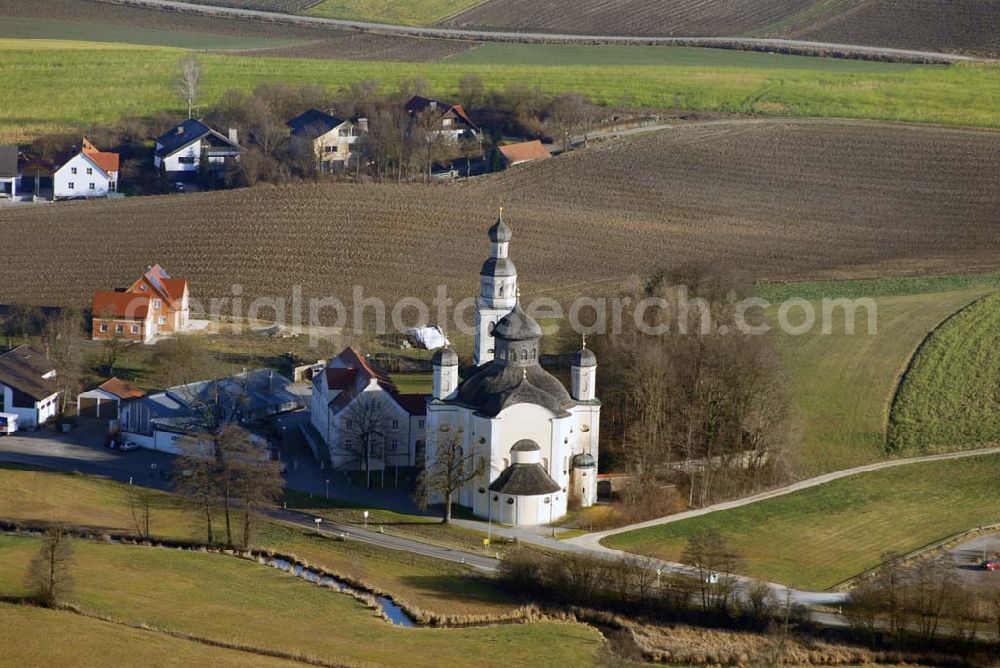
992, 564
129, 447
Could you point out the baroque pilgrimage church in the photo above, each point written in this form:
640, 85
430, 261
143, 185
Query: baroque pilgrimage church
538, 441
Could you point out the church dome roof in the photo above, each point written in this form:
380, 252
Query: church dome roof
517, 326
526, 445
500, 232
584, 358
584, 460
498, 266
494, 387
445, 357
524, 480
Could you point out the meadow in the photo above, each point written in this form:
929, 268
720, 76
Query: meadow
949, 398
402, 12
835, 531
51, 95
29, 633
222, 598
430, 585
842, 384
14, 27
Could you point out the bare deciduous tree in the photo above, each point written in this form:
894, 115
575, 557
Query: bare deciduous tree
189, 81
259, 484
715, 563
63, 336
49, 579
363, 428
449, 470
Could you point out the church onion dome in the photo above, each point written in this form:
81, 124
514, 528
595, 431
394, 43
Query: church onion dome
584, 358
517, 326
498, 266
584, 460
500, 232
445, 357
495, 387
524, 480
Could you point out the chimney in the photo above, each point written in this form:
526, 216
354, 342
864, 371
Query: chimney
363, 124
234, 135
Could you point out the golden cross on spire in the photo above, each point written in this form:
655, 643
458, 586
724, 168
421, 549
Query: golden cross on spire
584, 337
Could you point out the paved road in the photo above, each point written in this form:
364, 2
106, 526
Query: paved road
743, 43
593, 540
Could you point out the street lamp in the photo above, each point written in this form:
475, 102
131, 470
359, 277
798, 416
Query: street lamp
327, 488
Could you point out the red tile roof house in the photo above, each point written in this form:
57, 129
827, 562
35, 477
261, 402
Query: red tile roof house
155, 305
89, 173
337, 389
529, 151
28, 386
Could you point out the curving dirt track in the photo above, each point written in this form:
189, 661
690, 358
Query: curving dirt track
771, 198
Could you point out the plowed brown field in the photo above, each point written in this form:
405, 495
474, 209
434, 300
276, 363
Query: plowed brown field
968, 25
773, 199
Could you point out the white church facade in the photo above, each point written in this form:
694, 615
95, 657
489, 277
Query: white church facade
538, 442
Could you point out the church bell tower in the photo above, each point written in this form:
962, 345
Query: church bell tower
497, 290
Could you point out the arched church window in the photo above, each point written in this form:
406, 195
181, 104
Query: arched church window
446, 385
524, 355
585, 385
501, 290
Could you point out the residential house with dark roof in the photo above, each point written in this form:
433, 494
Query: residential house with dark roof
8, 171
351, 390
332, 138
180, 150
443, 118
28, 387
88, 173
154, 305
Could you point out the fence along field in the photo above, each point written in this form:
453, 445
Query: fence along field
930, 24
868, 199
950, 396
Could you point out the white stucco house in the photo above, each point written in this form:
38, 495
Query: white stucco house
351, 390
538, 441
8, 171
332, 138
89, 173
180, 150
27, 387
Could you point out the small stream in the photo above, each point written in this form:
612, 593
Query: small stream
390, 608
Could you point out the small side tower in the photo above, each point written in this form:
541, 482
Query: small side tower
497, 289
583, 374
445, 374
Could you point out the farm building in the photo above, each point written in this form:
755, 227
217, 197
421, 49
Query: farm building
529, 151
332, 138
89, 173
442, 118
105, 399
27, 386
8, 171
360, 420
538, 440
155, 305
184, 149
162, 420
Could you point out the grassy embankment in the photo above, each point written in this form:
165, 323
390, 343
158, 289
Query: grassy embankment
843, 384
820, 536
400, 12
221, 598
950, 396
52, 96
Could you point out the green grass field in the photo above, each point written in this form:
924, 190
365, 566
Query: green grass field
403, 12
821, 536
29, 494
219, 597
63, 85
495, 53
415, 383
950, 396
56, 29
28, 634
842, 385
